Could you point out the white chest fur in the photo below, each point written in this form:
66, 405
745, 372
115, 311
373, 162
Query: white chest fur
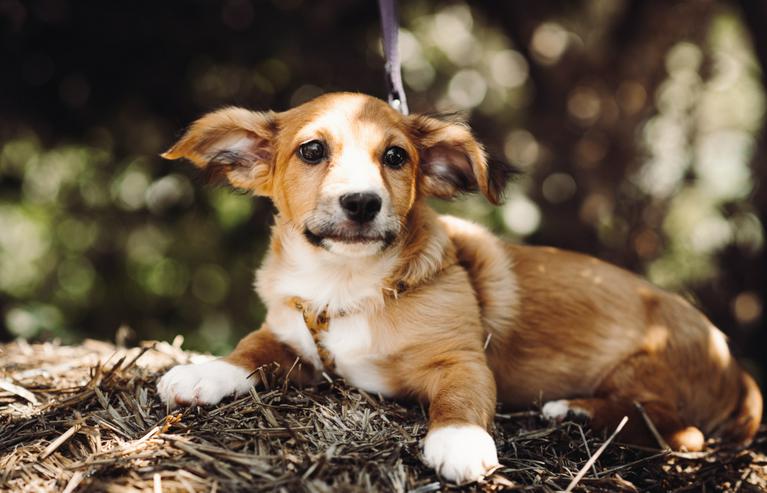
352, 285
348, 339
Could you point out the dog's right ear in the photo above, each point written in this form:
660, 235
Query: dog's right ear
452, 161
234, 143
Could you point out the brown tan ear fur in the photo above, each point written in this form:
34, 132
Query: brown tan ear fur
233, 143
452, 161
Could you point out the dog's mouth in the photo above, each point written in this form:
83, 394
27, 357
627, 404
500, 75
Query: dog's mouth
349, 237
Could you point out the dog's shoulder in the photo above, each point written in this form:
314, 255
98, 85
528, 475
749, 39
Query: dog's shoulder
489, 264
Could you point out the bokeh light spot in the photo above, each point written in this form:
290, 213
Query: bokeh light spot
210, 283
467, 88
167, 277
167, 192
508, 68
558, 187
584, 104
130, 188
76, 276
521, 148
549, 43
747, 307
521, 215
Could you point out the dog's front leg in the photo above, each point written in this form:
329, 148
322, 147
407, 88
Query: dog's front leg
208, 383
461, 392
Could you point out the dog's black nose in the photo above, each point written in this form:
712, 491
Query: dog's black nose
361, 207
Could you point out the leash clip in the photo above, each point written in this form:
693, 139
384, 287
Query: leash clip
390, 34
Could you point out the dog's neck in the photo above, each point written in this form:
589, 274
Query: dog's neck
294, 268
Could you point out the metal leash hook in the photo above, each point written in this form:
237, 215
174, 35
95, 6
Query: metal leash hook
390, 31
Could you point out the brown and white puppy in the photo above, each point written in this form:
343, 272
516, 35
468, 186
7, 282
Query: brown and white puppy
364, 280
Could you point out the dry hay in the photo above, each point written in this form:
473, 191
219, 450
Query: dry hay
86, 418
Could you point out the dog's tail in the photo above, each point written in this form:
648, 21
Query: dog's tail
744, 422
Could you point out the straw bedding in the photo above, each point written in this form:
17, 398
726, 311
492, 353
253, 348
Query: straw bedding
86, 418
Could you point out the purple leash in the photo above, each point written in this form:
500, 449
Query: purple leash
390, 31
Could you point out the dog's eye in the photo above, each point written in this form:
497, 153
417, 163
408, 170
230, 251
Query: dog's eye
312, 152
394, 157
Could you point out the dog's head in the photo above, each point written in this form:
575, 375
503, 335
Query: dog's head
346, 169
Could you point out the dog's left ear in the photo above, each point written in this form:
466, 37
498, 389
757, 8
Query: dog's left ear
232, 143
452, 161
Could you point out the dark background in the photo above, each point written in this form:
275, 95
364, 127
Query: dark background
637, 125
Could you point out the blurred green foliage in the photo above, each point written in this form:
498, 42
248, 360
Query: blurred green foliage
648, 162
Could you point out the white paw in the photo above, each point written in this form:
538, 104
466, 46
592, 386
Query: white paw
202, 383
558, 410
460, 453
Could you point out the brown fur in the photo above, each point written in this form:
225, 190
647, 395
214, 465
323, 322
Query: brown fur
261, 348
558, 325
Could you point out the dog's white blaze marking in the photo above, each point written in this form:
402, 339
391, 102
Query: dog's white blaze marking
203, 383
557, 410
349, 340
354, 171
337, 118
460, 453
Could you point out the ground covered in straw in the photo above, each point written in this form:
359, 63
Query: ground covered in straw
86, 418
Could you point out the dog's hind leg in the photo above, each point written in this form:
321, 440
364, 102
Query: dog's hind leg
606, 413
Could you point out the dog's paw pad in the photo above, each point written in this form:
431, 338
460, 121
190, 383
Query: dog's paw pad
560, 410
460, 453
202, 383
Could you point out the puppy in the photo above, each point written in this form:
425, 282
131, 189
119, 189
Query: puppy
364, 280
